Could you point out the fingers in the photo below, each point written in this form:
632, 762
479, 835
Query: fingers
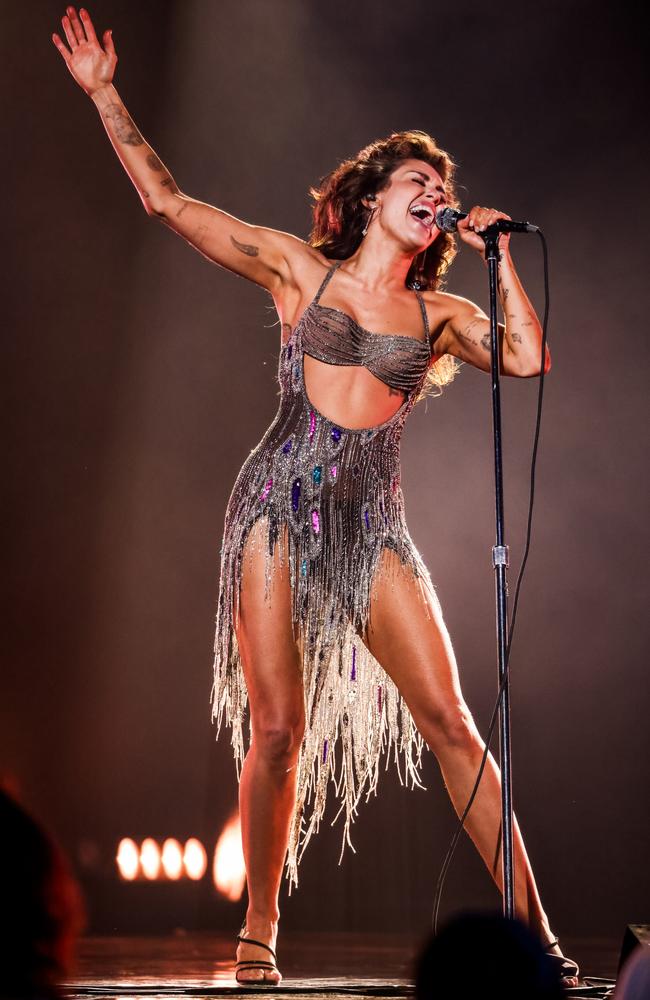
479, 218
88, 25
69, 33
61, 47
108, 43
77, 26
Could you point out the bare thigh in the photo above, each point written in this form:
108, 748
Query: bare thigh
269, 651
408, 637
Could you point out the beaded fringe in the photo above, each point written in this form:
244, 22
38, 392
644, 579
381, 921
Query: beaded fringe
325, 502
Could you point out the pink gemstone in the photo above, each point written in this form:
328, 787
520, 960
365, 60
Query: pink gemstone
315, 521
312, 423
267, 489
333, 471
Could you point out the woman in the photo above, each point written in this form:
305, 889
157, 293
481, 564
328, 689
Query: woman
327, 620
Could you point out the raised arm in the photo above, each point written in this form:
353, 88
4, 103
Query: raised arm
262, 255
466, 333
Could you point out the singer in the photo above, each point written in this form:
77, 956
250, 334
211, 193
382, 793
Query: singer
328, 625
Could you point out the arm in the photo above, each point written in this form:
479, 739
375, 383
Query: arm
262, 255
466, 333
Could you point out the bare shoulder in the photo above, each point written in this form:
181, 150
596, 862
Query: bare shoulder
306, 271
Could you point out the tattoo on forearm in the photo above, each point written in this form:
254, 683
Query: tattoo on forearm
170, 183
505, 293
529, 323
486, 342
247, 248
154, 162
125, 130
515, 337
199, 236
182, 208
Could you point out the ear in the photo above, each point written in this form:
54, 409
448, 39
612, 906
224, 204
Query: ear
370, 201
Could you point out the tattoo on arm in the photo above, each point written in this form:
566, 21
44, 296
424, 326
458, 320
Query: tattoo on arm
154, 162
515, 337
506, 293
486, 342
125, 130
247, 248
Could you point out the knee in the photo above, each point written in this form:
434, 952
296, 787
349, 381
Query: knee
278, 741
450, 727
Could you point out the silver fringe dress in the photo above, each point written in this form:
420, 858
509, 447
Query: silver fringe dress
331, 502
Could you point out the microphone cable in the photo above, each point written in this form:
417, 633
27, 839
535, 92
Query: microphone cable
511, 628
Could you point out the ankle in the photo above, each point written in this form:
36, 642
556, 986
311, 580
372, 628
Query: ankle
262, 920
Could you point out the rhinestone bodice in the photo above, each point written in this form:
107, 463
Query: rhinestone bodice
335, 338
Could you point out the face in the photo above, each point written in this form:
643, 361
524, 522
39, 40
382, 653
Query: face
408, 205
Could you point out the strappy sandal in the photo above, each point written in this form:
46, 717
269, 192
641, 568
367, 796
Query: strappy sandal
567, 968
256, 964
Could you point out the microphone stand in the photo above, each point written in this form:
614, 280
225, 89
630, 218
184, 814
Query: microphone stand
500, 563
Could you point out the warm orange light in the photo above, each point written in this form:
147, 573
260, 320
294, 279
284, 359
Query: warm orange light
172, 859
195, 859
228, 871
128, 859
150, 858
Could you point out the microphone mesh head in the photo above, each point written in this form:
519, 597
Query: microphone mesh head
447, 219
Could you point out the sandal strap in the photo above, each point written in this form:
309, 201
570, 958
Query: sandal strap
260, 944
256, 965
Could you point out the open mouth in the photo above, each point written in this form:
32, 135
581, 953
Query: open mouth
424, 215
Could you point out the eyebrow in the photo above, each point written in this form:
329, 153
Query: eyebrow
425, 177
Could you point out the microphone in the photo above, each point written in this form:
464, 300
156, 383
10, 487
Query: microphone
447, 220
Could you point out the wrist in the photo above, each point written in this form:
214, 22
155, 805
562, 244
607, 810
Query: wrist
106, 92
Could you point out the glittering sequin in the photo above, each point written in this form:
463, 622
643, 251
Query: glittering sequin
267, 489
329, 533
295, 495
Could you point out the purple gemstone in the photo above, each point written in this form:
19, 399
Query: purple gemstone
353, 675
333, 471
289, 351
286, 447
315, 521
336, 434
312, 423
295, 495
325, 746
267, 489
367, 519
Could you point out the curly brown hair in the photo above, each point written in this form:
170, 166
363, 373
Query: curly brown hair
339, 214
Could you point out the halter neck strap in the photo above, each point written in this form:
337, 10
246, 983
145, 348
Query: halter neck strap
326, 280
425, 318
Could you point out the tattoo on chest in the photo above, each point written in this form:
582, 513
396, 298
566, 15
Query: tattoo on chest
247, 248
286, 332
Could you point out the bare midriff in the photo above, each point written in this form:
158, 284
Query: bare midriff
349, 395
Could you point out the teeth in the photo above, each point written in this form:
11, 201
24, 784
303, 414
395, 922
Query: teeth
423, 213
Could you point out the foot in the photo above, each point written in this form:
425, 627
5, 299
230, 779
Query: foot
256, 962
567, 967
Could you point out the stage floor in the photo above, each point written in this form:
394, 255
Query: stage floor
191, 964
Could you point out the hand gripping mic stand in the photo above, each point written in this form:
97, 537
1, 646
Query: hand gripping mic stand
500, 563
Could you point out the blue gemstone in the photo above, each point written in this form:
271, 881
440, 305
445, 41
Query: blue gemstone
336, 434
303, 568
295, 494
317, 474
286, 447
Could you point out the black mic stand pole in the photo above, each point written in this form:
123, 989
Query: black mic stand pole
500, 563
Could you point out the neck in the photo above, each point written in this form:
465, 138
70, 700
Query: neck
379, 263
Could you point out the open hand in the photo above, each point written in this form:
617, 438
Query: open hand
91, 65
478, 219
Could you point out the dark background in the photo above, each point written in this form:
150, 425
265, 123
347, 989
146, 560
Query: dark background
138, 378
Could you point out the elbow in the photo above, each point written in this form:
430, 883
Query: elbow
533, 368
